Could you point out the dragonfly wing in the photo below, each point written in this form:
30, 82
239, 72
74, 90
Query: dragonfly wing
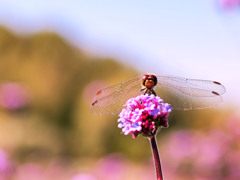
192, 87
182, 101
111, 100
186, 94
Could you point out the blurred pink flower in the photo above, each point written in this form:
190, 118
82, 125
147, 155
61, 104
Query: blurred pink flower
29, 171
233, 125
229, 4
36, 171
13, 96
211, 155
181, 145
84, 177
212, 147
111, 167
232, 161
4, 163
5, 166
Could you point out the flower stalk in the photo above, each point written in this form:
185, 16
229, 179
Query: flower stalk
145, 114
156, 158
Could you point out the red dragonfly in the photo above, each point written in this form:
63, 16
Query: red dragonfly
181, 93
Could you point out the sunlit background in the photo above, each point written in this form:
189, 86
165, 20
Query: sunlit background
55, 55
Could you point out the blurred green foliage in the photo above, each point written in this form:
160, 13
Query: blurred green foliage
55, 74
58, 121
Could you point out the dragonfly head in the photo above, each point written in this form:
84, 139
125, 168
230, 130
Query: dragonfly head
149, 81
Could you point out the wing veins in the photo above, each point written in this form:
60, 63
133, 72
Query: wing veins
119, 91
186, 86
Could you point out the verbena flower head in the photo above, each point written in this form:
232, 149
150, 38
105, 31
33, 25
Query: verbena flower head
144, 114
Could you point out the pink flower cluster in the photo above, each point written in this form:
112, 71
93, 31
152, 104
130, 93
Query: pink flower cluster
144, 114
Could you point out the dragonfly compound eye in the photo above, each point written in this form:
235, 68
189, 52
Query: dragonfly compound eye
144, 78
153, 78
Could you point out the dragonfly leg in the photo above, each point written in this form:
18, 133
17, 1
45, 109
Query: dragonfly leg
146, 91
153, 92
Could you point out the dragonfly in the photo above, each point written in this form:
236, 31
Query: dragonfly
180, 93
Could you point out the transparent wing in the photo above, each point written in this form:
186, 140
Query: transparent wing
111, 100
186, 94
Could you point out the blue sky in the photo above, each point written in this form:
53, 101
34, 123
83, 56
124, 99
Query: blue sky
194, 39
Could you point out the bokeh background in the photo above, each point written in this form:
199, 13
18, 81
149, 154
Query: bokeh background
55, 55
